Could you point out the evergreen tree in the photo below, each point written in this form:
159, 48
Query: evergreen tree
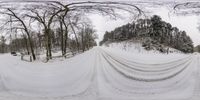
156, 32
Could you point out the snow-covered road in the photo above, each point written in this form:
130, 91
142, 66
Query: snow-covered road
102, 74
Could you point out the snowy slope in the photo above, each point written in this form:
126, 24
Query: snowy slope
102, 74
134, 46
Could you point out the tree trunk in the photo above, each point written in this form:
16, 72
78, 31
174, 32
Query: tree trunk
27, 49
48, 43
82, 39
31, 47
65, 41
65, 36
62, 40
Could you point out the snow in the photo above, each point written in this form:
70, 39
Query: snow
134, 46
102, 73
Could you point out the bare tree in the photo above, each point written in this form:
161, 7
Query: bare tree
187, 8
14, 18
47, 13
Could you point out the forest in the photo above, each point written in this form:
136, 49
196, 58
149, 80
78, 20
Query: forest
36, 28
154, 33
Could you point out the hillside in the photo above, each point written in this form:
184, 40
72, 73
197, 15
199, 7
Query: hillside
153, 34
134, 46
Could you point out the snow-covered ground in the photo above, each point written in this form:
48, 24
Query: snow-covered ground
135, 47
102, 73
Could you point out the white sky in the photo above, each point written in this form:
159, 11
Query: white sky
187, 23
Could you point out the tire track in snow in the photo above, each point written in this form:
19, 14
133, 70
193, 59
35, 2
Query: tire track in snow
149, 68
182, 83
143, 64
196, 94
176, 80
143, 79
129, 68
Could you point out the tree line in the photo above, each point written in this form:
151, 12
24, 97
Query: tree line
32, 26
154, 32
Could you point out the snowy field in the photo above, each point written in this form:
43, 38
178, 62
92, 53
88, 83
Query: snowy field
102, 73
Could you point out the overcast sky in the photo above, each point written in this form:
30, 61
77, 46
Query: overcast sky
187, 23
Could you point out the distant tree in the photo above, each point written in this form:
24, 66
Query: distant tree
2, 44
88, 37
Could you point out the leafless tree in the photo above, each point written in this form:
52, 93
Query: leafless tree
187, 8
19, 20
47, 13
